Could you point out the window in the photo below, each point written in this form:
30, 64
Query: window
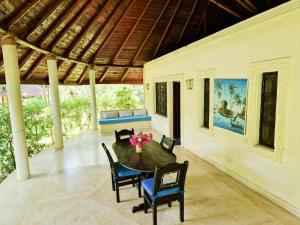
161, 98
206, 103
268, 109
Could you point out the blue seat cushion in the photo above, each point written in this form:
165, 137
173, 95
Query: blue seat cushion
124, 120
148, 186
124, 172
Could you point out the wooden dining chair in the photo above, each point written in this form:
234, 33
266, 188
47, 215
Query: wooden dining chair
167, 143
121, 176
166, 186
123, 135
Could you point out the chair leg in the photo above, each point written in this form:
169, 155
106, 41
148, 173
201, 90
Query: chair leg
117, 192
145, 205
181, 202
170, 204
154, 213
132, 182
139, 186
113, 182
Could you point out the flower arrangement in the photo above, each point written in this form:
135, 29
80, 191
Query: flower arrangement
140, 140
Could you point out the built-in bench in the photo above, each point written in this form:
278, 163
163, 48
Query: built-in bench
123, 119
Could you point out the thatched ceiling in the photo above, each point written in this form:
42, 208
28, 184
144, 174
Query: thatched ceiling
118, 36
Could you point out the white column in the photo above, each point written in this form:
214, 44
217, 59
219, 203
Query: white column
12, 77
54, 101
93, 97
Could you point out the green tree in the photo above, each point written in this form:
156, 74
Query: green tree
125, 98
231, 89
219, 90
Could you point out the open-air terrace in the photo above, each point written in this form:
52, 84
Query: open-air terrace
149, 112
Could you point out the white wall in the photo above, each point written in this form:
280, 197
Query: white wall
230, 53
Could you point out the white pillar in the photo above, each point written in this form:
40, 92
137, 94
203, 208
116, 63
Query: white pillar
54, 101
93, 98
12, 77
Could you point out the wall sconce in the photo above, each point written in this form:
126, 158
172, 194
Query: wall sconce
189, 84
147, 86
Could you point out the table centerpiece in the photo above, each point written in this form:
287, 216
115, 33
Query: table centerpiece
139, 140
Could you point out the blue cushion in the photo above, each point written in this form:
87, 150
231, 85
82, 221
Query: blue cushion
124, 120
124, 172
148, 186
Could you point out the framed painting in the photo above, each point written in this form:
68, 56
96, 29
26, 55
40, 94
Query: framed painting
230, 104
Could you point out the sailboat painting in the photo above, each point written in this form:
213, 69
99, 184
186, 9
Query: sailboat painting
230, 101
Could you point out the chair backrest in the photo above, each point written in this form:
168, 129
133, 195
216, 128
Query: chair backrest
123, 135
170, 176
110, 159
167, 143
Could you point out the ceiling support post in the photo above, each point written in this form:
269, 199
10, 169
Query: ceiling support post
93, 97
12, 77
54, 101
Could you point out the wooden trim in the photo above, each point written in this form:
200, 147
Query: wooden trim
112, 31
100, 32
68, 73
127, 37
83, 75
71, 23
246, 6
51, 8
226, 8
167, 28
21, 12
59, 20
86, 30
186, 23
35, 65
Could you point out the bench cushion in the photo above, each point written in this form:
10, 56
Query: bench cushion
140, 112
125, 113
110, 115
124, 120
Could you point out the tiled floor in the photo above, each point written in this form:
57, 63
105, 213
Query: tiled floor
73, 187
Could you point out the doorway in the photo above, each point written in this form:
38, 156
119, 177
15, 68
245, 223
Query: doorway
176, 112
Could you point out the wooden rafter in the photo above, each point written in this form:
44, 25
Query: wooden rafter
86, 30
167, 27
146, 39
127, 38
83, 75
69, 73
112, 30
187, 22
71, 23
69, 12
21, 12
245, 6
251, 5
49, 12
25, 58
226, 8
35, 65
100, 32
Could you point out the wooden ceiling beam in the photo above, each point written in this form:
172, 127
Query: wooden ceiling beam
112, 30
83, 75
69, 12
186, 22
100, 32
69, 73
87, 29
251, 5
72, 22
19, 14
146, 39
127, 37
50, 9
226, 8
167, 28
245, 6
25, 59
34, 67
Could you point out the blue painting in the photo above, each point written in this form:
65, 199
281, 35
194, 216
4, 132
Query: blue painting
230, 104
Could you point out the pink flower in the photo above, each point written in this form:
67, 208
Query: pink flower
141, 139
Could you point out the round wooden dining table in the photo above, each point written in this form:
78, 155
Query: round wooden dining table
152, 155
